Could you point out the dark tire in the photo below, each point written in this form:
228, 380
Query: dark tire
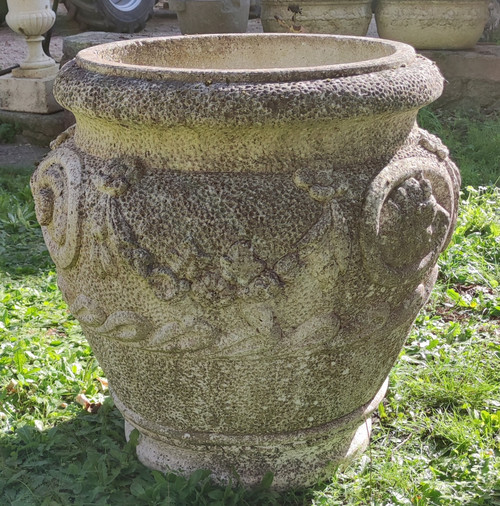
3, 11
255, 9
123, 16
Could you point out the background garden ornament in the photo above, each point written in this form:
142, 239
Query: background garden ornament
32, 18
342, 17
432, 24
492, 29
28, 87
246, 239
211, 16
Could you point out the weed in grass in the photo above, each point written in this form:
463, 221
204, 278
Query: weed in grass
473, 258
436, 439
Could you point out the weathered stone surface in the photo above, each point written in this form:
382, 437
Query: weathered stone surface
472, 77
339, 17
23, 94
246, 228
432, 24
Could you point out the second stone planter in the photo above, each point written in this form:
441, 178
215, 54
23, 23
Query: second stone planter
211, 16
432, 24
341, 17
246, 228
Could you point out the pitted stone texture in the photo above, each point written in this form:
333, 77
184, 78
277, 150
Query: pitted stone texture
295, 460
242, 127
252, 296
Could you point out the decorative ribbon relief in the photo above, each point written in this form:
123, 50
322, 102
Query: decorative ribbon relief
183, 267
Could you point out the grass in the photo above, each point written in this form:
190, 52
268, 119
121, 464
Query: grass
8, 132
473, 140
436, 438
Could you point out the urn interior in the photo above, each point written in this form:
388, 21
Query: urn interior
247, 57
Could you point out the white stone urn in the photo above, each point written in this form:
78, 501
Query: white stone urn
246, 227
341, 17
432, 24
32, 18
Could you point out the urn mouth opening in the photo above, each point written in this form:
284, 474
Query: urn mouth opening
245, 57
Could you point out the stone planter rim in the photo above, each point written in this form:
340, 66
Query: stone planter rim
99, 59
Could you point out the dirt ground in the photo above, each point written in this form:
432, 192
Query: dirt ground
20, 156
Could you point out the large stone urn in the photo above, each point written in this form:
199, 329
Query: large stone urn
432, 24
246, 227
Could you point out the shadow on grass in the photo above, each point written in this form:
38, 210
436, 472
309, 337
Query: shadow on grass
86, 461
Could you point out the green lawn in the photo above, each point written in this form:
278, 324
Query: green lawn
473, 140
436, 438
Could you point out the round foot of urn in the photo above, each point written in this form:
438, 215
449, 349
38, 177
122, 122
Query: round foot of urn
296, 459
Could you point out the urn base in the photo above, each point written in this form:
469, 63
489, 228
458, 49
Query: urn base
296, 459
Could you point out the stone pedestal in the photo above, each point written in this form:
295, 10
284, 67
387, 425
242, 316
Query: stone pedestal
27, 94
472, 76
